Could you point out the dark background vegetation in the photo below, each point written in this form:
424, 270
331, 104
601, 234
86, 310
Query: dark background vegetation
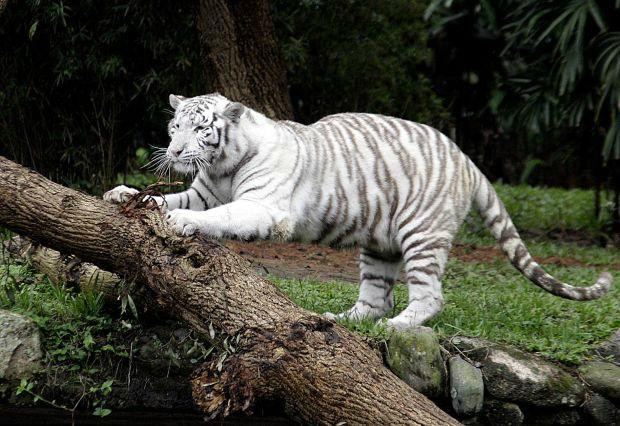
529, 89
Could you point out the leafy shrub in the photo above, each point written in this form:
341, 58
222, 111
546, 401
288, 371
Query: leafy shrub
84, 83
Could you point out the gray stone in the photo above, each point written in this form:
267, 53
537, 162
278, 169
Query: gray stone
603, 377
602, 411
611, 348
503, 413
415, 357
473, 421
554, 417
466, 387
20, 346
512, 374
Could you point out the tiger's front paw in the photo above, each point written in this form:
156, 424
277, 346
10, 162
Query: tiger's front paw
120, 194
183, 222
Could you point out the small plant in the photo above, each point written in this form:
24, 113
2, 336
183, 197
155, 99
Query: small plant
81, 340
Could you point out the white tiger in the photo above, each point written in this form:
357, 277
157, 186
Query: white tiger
398, 189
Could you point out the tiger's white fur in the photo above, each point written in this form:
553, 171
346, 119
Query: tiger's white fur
398, 189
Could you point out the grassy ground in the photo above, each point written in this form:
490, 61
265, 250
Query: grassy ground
91, 348
492, 301
545, 209
81, 340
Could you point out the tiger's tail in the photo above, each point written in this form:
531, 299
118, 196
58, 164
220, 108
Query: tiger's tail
496, 218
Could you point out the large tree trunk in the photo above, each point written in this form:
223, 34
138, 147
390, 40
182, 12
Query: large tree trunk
322, 372
241, 55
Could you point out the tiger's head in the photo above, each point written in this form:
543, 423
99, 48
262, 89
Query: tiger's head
202, 130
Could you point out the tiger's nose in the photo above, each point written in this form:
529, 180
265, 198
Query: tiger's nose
176, 152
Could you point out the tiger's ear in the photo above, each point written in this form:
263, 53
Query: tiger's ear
175, 100
233, 111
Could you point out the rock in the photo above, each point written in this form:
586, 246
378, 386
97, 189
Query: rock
603, 377
466, 387
611, 348
555, 417
503, 413
512, 374
181, 334
415, 357
20, 346
473, 421
602, 411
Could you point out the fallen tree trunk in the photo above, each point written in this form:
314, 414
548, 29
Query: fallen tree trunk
64, 268
323, 373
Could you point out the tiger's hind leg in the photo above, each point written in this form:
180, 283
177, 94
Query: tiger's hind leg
378, 272
424, 265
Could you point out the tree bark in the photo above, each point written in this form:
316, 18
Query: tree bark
65, 269
241, 56
322, 372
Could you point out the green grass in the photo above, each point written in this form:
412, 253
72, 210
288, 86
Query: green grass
83, 344
492, 301
545, 209
589, 255
91, 348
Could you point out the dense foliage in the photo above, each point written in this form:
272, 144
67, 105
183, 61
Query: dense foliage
83, 83
541, 79
356, 55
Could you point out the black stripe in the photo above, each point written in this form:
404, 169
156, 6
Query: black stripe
254, 188
350, 230
204, 184
366, 303
204, 202
246, 178
245, 160
384, 257
508, 233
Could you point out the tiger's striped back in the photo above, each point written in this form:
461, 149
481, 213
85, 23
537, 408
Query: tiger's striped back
376, 180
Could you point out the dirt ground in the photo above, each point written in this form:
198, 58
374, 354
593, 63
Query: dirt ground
310, 261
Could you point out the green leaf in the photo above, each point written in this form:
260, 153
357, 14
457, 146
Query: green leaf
22, 387
496, 99
551, 27
123, 304
530, 165
432, 7
596, 14
132, 306
106, 387
88, 340
102, 412
142, 156
33, 29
